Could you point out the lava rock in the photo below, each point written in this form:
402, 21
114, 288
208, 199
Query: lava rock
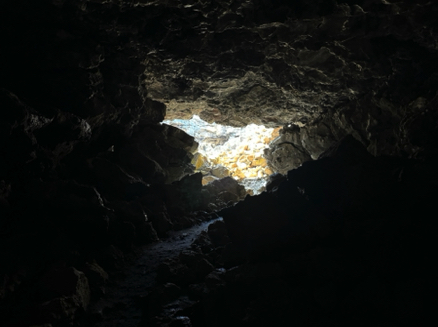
185, 195
97, 278
146, 233
68, 291
228, 187
217, 232
109, 258
114, 182
161, 223
130, 211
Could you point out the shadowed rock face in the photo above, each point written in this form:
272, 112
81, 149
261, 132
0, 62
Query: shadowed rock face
366, 68
361, 67
86, 170
342, 241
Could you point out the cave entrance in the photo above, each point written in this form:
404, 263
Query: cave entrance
230, 151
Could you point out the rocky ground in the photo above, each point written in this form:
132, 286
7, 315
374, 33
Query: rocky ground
124, 296
72, 211
342, 241
224, 151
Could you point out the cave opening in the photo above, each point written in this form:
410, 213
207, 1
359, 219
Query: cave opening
224, 151
90, 178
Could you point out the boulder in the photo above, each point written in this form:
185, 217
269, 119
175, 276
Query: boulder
185, 195
217, 232
234, 191
67, 290
114, 182
145, 233
220, 171
97, 278
208, 179
129, 211
285, 156
158, 154
161, 223
141, 163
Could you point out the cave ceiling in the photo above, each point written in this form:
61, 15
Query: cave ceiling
272, 63
361, 67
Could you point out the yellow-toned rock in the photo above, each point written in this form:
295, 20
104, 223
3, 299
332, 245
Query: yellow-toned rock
207, 179
239, 174
251, 173
199, 160
276, 132
260, 161
244, 159
220, 171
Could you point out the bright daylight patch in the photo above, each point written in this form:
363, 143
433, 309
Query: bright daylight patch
230, 151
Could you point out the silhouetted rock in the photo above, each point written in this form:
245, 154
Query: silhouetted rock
85, 86
145, 233
185, 195
225, 190
66, 290
114, 182
97, 278
109, 257
218, 233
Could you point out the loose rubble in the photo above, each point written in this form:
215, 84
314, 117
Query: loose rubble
230, 151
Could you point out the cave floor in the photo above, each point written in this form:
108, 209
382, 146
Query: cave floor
123, 300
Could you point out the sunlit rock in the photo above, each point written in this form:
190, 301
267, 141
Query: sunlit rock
229, 151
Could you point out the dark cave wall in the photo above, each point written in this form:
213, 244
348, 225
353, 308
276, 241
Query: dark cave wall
366, 68
84, 165
85, 168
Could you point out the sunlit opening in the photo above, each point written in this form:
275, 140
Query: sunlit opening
230, 151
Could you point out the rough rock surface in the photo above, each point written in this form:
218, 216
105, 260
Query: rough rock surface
84, 85
230, 151
365, 68
343, 241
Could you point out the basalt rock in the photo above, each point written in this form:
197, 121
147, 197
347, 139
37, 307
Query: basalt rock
85, 85
295, 146
114, 182
67, 291
225, 190
158, 154
335, 243
188, 268
97, 278
338, 69
185, 195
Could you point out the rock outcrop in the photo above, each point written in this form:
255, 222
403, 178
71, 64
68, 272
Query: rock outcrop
365, 68
344, 240
87, 171
230, 151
